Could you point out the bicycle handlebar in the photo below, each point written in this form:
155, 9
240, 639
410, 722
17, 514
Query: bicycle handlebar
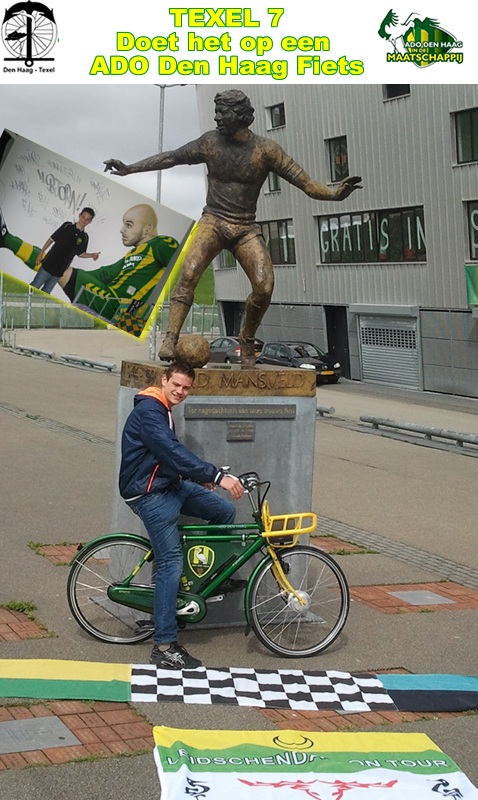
251, 481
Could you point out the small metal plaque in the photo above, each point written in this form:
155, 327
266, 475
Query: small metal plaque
23, 735
241, 431
240, 412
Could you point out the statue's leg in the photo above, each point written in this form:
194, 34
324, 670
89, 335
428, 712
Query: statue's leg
205, 245
256, 262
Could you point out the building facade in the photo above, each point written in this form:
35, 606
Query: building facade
385, 280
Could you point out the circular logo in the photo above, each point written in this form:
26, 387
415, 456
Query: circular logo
301, 743
29, 32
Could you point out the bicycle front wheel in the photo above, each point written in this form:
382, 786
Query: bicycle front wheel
304, 623
98, 566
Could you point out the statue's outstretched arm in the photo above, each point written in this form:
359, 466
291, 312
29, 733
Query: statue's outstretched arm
171, 158
345, 188
285, 166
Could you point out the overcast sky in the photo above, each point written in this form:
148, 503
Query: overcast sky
89, 124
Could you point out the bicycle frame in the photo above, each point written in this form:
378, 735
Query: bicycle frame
295, 600
246, 536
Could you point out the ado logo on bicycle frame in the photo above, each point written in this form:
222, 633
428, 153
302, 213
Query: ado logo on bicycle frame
200, 559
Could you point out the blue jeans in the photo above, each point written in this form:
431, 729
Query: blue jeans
43, 280
159, 514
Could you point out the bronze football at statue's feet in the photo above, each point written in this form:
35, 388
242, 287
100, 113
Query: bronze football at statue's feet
248, 353
167, 351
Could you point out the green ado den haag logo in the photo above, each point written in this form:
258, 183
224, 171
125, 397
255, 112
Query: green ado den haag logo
29, 32
419, 39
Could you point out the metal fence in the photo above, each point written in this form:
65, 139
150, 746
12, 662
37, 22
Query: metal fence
201, 319
31, 309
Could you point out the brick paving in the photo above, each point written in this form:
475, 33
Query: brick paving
446, 567
380, 598
104, 730
326, 721
336, 546
58, 554
110, 729
15, 625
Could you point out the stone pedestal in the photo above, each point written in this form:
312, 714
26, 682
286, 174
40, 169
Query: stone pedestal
260, 420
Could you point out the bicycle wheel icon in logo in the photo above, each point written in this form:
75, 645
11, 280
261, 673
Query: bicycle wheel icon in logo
29, 32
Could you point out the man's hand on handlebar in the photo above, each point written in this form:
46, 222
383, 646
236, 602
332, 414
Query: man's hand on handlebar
232, 485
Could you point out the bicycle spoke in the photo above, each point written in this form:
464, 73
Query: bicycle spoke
93, 572
311, 617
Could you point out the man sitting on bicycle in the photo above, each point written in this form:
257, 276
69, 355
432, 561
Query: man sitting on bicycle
161, 479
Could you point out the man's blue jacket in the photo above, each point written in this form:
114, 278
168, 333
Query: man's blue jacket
152, 457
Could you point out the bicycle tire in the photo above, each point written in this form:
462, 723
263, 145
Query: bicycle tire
96, 567
278, 619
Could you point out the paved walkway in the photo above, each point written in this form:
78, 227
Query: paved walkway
409, 512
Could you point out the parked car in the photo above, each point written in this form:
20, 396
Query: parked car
227, 350
303, 355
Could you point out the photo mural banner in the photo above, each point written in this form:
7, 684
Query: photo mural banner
80, 236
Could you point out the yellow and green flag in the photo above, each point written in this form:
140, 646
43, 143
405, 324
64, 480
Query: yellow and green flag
290, 765
57, 680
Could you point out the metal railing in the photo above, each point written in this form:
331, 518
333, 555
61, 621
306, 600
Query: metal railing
33, 310
428, 433
38, 310
203, 320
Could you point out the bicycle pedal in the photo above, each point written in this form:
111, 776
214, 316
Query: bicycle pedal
188, 610
216, 598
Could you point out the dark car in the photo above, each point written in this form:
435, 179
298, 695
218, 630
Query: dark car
303, 355
227, 350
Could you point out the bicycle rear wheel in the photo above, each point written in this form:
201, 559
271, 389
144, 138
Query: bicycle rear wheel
97, 567
284, 624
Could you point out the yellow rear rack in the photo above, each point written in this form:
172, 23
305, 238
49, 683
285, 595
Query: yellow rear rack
283, 530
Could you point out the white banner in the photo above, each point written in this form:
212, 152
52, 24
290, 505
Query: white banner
288, 765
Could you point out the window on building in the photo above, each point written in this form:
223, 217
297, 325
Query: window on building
467, 136
339, 163
280, 241
373, 236
276, 116
473, 229
273, 182
393, 90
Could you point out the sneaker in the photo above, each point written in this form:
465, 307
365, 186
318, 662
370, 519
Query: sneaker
3, 229
175, 657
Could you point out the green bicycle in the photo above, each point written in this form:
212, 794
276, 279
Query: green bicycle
296, 598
